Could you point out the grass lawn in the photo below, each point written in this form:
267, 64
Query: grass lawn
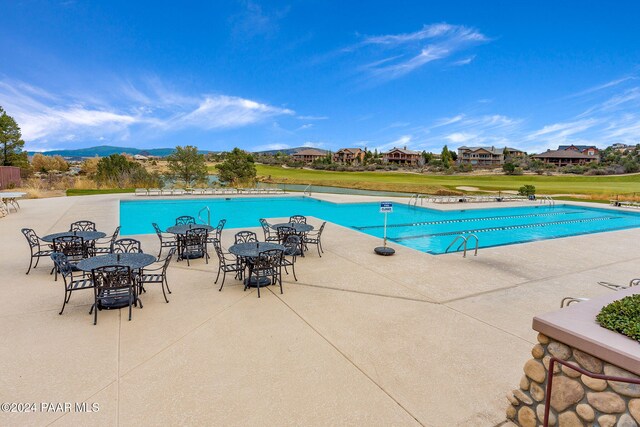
73, 192
598, 187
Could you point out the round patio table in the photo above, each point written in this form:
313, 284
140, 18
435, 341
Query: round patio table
300, 230
134, 261
252, 250
181, 230
86, 235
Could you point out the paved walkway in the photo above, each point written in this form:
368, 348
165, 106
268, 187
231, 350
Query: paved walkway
413, 339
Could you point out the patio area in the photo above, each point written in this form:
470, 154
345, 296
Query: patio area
413, 339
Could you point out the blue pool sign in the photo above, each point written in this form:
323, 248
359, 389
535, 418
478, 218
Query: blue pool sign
386, 207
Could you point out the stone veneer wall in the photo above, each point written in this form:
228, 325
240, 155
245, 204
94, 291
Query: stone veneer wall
576, 400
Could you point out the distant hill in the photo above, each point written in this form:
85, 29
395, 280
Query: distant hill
288, 151
107, 150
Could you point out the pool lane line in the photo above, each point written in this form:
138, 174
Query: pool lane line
509, 227
452, 221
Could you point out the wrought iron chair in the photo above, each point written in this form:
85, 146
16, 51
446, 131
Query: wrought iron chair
158, 274
292, 248
73, 279
166, 240
315, 238
194, 244
269, 234
114, 288
73, 247
83, 226
105, 246
245, 237
268, 264
126, 246
227, 263
185, 220
298, 219
38, 247
284, 232
217, 233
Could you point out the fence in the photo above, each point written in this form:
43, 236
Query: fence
9, 177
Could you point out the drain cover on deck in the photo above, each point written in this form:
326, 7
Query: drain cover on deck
381, 250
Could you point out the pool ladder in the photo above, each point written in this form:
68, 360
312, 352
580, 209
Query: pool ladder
464, 243
415, 198
548, 199
307, 190
206, 208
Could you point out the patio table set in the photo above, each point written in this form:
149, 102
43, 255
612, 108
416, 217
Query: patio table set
115, 269
257, 263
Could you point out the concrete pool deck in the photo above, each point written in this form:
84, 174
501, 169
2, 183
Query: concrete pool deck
413, 339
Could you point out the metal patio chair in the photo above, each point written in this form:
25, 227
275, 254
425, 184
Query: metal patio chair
74, 280
158, 274
167, 240
315, 238
83, 226
185, 220
114, 288
38, 247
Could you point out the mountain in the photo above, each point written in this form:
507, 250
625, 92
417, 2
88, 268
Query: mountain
288, 151
107, 150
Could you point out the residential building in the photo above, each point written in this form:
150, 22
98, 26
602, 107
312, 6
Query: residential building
589, 150
348, 156
401, 156
487, 156
565, 157
308, 155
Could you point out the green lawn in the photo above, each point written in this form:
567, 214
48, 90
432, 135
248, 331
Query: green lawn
596, 186
73, 192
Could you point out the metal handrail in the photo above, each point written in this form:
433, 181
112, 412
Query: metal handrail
307, 190
458, 237
464, 243
208, 215
554, 360
477, 244
411, 199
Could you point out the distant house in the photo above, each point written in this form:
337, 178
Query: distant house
565, 157
308, 155
487, 156
348, 155
589, 150
401, 156
140, 157
620, 147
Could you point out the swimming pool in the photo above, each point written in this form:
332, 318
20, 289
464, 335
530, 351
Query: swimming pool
424, 229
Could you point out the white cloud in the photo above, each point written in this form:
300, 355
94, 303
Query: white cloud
312, 117
414, 50
271, 147
219, 112
45, 118
460, 137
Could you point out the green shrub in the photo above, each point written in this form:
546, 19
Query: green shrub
622, 316
527, 190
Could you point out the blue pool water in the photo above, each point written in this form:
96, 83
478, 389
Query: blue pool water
427, 230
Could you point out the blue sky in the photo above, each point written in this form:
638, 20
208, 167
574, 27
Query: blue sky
327, 74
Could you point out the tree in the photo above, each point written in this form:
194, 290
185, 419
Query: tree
445, 157
42, 163
427, 157
527, 190
509, 168
187, 165
11, 142
237, 168
117, 171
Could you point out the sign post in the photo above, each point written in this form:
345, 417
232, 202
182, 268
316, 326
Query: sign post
385, 208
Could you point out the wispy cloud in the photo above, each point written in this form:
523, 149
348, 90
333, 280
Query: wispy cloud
254, 20
395, 55
46, 118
